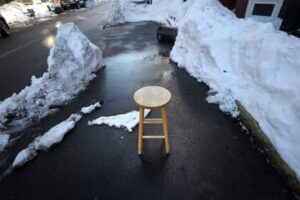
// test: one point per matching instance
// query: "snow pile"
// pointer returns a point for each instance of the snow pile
(72, 63)
(240, 59)
(127, 121)
(41, 10)
(94, 3)
(44, 142)
(25, 156)
(53, 136)
(56, 133)
(164, 11)
(15, 13)
(3, 141)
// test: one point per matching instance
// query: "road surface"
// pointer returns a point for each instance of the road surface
(212, 157)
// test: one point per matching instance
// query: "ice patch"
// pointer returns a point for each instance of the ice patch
(56, 133)
(91, 108)
(127, 121)
(24, 156)
(226, 102)
(3, 141)
(72, 63)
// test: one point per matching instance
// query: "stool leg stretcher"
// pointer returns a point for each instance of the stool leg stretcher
(162, 121)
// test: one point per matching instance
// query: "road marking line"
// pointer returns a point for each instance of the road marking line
(20, 47)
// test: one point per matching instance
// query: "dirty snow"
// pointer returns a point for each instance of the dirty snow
(52, 136)
(15, 13)
(3, 141)
(127, 121)
(239, 59)
(91, 108)
(72, 63)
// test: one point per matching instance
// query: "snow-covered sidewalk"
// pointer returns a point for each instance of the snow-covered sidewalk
(239, 59)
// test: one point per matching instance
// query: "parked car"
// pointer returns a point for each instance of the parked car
(68, 4)
(4, 28)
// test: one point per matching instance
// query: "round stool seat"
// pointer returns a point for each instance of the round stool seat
(152, 97)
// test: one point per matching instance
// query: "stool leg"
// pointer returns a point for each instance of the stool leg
(141, 130)
(165, 126)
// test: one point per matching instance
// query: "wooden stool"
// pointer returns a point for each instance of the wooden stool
(153, 97)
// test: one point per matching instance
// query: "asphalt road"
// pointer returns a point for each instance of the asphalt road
(211, 156)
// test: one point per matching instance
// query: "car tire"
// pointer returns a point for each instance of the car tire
(4, 29)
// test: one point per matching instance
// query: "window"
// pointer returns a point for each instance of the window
(263, 9)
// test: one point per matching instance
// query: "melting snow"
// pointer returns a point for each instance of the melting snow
(127, 121)
(91, 108)
(3, 141)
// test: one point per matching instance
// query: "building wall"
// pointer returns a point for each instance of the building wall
(4, 1)
(240, 8)
(230, 4)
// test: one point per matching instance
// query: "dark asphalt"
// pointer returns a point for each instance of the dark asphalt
(211, 156)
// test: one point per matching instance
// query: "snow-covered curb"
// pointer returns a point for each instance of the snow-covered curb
(126, 121)
(238, 59)
(53, 136)
(72, 63)
(15, 12)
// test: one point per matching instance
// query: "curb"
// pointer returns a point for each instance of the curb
(280, 165)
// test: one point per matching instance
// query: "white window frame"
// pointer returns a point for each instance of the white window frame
(277, 6)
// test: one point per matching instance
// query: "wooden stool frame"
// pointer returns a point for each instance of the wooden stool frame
(154, 98)
(163, 121)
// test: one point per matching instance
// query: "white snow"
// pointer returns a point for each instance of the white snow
(56, 133)
(15, 13)
(3, 141)
(52, 136)
(94, 3)
(239, 59)
(72, 63)
(91, 108)
(127, 121)
(24, 156)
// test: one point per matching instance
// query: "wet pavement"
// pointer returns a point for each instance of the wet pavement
(211, 156)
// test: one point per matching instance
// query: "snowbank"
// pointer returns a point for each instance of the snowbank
(126, 121)
(94, 3)
(15, 13)
(72, 63)
(51, 137)
(239, 60)
(164, 11)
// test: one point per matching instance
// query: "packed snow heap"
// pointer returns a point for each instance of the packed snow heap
(239, 59)
(72, 63)
(16, 13)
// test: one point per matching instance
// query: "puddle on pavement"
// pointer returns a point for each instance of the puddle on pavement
(147, 57)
